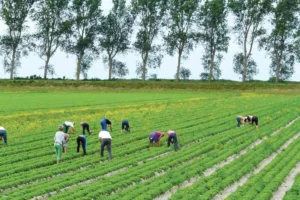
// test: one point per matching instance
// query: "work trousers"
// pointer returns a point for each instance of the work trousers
(81, 140)
(3, 134)
(173, 139)
(106, 142)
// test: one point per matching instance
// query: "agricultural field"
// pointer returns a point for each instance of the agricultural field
(216, 160)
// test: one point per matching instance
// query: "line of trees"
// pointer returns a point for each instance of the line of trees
(175, 27)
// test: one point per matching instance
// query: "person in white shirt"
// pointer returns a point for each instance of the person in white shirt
(105, 140)
(59, 139)
(3, 135)
(66, 125)
(252, 119)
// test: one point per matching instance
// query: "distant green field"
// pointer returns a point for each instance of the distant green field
(205, 123)
(21, 101)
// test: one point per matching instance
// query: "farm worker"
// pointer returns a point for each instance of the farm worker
(240, 120)
(3, 135)
(81, 139)
(85, 126)
(252, 119)
(64, 144)
(155, 137)
(105, 140)
(104, 122)
(172, 138)
(58, 142)
(68, 125)
(125, 125)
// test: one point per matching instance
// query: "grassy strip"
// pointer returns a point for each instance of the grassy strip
(130, 85)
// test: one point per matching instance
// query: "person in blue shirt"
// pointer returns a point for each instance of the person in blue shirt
(104, 122)
(3, 135)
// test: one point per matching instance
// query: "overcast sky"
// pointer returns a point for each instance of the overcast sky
(65, 65)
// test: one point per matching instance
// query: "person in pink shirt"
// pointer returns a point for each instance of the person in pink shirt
(155, 137)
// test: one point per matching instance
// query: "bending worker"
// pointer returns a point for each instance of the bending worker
(240, 120)
(3, 135)
(125, 126)
(104, 122)
(155, 137)
(252, 119)
(58, 142)
(81, 139)
(67, 126)
(172, 138)
(85, 126)
(105, 140)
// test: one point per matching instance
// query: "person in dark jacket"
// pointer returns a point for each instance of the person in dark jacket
(81, 139)
(252, 120)
(125, 126)
(85, 127)
(172, 138)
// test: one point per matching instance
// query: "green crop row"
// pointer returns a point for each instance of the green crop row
(177, 176)
(186, 125)
(207, 146)
(263, 184)
(207, 188)
(294, 192)
(6, 183)
(149, 169)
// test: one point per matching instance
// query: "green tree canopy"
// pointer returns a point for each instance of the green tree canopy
(212, 22)
(115, 35)
(150, 15)
(86, 18)
(14, 43)
(181, 36)
(281, 44)
(249, 17)
(53, 26)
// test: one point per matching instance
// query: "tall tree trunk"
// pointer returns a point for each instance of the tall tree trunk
(79, 60)
(245, 61)
(110, 66)
(145, 60)
(212, 66)
(46, 66)
(278, 66)
(178, 64)
(277, 71)
(12, 65)
(278, 63)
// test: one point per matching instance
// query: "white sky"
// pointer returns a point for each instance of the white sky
(65, 65)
